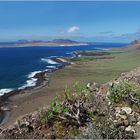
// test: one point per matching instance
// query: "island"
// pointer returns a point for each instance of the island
(55, 42)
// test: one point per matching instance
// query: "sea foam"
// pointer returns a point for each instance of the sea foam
(32, 74)
(5, 90)
(31, 82)
(49, 61)
(51, 67)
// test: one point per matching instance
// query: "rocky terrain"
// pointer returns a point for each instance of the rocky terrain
(108, 111)
(135, 44)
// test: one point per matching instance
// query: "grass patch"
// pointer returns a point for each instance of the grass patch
(89, 69)
(84, 58)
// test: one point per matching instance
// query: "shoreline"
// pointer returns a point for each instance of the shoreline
(42, 81)
(43, 45)
(13, 100)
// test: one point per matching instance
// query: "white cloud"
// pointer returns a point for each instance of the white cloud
(73, 29)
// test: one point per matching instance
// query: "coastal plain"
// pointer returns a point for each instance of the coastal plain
(84, 69)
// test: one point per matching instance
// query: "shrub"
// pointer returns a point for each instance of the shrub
(78, 88)
(124, 91)
(43, 117)
(70, 109)
(51, 114)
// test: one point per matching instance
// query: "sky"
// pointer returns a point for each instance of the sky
(96, 21)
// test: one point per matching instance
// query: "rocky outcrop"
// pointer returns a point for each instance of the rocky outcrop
(135, 44)
(133, 75)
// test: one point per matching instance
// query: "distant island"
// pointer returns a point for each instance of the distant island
(55, 42)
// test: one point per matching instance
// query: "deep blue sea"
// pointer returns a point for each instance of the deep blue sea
(18, 65)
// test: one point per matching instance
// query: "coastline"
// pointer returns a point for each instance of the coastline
(42, 81)
(7, 100)
(42, 45)
(34, 98)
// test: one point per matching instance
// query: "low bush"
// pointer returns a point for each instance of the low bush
(125, 91)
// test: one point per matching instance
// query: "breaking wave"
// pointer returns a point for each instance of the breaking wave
(31, 82)
(51, 67)
(5, 90)
(49, 61)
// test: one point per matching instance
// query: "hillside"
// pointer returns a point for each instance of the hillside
(135, 44)
(95, 111)
(108, 111)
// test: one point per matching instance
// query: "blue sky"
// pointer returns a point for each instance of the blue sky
(82, 21)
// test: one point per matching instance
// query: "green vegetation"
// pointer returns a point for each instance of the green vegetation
(84, 58)
(89, 56)
(69, 111)
(82, 110)
(125, 91)
(43, 117)
(61, 108)
(50, 115)
(88, 69)
(78, 89)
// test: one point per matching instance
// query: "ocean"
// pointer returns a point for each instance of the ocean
(19, 65)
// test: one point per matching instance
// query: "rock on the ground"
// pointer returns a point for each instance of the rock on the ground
(129, 128)
(128, 110)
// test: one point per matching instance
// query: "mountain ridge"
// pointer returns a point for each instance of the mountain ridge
(55, 42)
